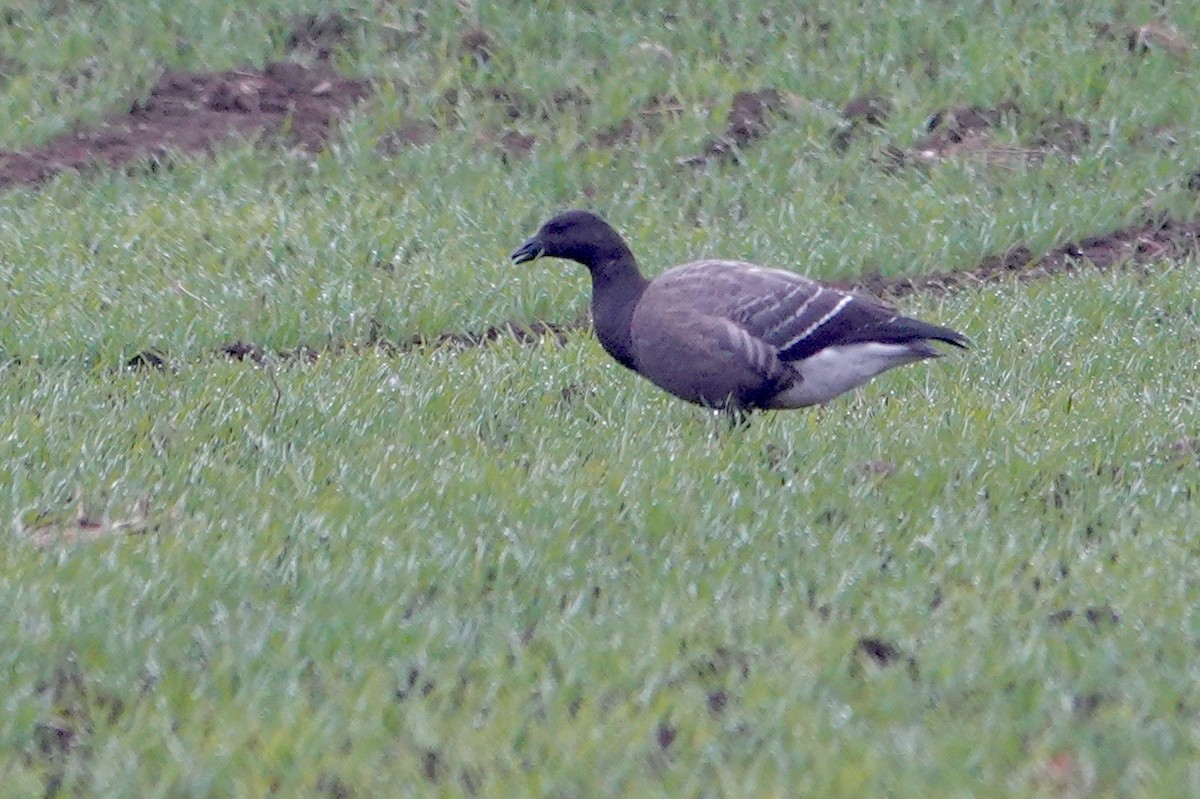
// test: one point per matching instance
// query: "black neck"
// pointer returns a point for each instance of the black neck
(617, 286)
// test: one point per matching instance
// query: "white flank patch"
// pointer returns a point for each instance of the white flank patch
(836, 370)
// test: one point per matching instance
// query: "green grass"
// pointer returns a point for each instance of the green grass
(567, 574)
(520, 570)
(288, 250)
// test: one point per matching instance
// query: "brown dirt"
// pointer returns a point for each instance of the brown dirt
(665, 735)
(194, 112)
(882, 652)
(751, 117)
(956, 132)
(717, 701)
(1061, 616)
(1059, 132)
(412, 134)
(1101, 614)
(967, 132)
(1140, 243)
(241, 350)
(1136, 244)
(475, 42)
(868, 110)
(147, 359)
(191, 113)
(510, 144)
(648, 122)
(957, 122)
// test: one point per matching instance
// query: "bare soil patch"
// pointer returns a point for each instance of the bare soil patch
(1136, 244)
(882, 654)
(648, 122)
(477, 43)
(880, 651)
(858, 115)
(751, 117)
(191, 113)
(968, 132)
(242, 350)
(412, 134)
(147, 360)
(195, 112)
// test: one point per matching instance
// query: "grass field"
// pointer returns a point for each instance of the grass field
(354, 565)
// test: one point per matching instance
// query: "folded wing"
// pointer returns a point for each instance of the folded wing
(799, 317)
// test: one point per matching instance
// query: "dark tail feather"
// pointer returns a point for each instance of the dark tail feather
(904, 329)
(921, 349)
(950, 337)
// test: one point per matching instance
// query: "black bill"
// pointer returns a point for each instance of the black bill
(528, 251)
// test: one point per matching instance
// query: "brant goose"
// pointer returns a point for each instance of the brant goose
(731, 335)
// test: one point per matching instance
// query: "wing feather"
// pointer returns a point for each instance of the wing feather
(794, 316)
